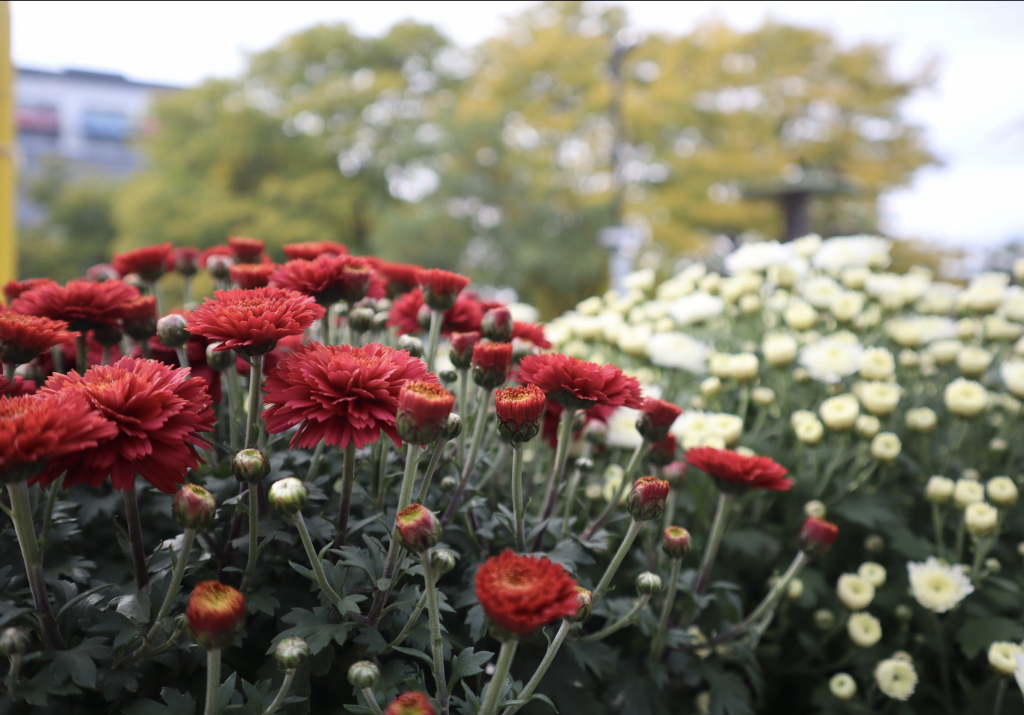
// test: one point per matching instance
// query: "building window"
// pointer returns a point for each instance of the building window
(39, 120)
(106, 126)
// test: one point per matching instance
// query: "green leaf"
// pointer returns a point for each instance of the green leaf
(729, 694)
(570, 555)
(315, 627)
(872, 511)
(977, 634)
(302, 571)
(78, 662)
(134, 606)
(262, 602)
(372, 639)
(596, 657)
(468, 663)
(416, 654)
(226, 692)
(177, 704)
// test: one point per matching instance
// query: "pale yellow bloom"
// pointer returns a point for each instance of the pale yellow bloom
(762, 396)
(842, 686)
(967, 492)
(981, 519)
(810, 431)
(878, 398)
(877, 364)
(800, 315)
(872, 573)
(938, 587)
(779, 349)
(1001, 491)
(839, 413)
(864, 629)
(815, 508)
(965, 398)
(973, 361)
(896, 678)
(710, 386)
(886, 447)
(1002, 656)
(854, 592)
(939, 490)
(921, 419)
(867, 426)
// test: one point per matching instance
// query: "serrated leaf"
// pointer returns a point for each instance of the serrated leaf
(599, 658)
(729, 694)
(78, 662)
(416, 654)
(570, 555)
(226, 692)
(315, 627)
(372, 639)
(977, 634)
(135, 607)
(468, 663)
(303, 571)
(262, 602)
(477, 622)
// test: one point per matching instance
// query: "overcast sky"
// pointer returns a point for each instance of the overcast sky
(974, 116)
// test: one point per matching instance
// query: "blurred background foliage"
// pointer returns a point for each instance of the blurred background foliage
(497, 160)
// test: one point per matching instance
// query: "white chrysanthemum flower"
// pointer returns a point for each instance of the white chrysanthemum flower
(839, 413)
(1002, 656)
(710, 283)
(981, 519)
(854, 592)
(639, 280)
(965, 398)
(558, 332)
(1013, 304)
(622, 430)
(973, 361)
(710, 386)
(939, 490)
(867, 426)
(886, 447)
(762, 396)
(759, 256)
(921, 419)
(806, 246)
(877, 364)
(872, 573)
(800, 315)
(678, 350)
(939, 587)
(915, 331)
(587, 327)
(732, 289)
(815, 508)
(1012, 372)
(820, 291)
(945, 351)
(983, 296)
(809, 432)
(852, 251)
(842, 686)
(1018, 674)
(633, 339)
(523, 312)
(696, 308)
(864, 629)
(878, 398)
(799, 416)
(967, 492)
(896, 678)
(720, 365)
(846, 306)
(780, 349)
(831, 359)
(743, 367)
(590, 306)
(996, 327)
(728, 427)
(1001, 491)
(939, 299)
(675, 288)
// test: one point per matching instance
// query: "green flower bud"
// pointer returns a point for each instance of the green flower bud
(453, 428)
(364, 674)
(380, 320)
(448, 484)
(584, 604)
(361, 319)
(441, 561)
(250, 466)
(584, 465)
(675, 542)
(289, 496)
(14, 640)
(172, 329)
(219, 360)
(596, 432)
(411, 344)
(904, 613)
(648, 584)
(291, 652)
(824, 619)
(448, 376)
(874, 544)
(193, 507)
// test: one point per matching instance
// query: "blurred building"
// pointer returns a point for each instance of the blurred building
(85, 120)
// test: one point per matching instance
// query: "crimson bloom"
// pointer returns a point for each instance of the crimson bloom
(139, 317)
(491, 363)
(401, 277)
(440, 288)
(83, 305)
(530, 332)
(423, 409)
(246, 250)
(149, 262)
(410, 703)
(326, 279)
(523, 593)
(655, 419)
(736, 472)
(463, 317)
(251, 275)
(37, 428)
(817, 535)
(12, 289)
(252, 321)
(418, 528)
(646, 500)
(184, 260)
(23, 337)
(340, 394)
(519, 410)
(215, 612)
(310, 250)
(578, 384)
(159, 413)
(16, 387)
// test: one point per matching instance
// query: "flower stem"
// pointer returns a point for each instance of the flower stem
(81, 353)
(348, 478)
(233, 404)
(561, 456)
(9, 368)
(432, 338)
(131, 513)
(412, 459)
(944, 663)
(382, 469)
(51, 500)
(255, 378)
(57, 357)
(517, 495)
(371, 701)
(542, 669)
(187, 290)
(436, 643)
(474, 449)
(314, 560)
(627, 482)
(212, 680)
(182, 357)
(658, 643)
(463, 406)
(314, 463)
(435, 458)
(286, 684)
(173, 587)
(21, 514)
(619, 624)
(620, 555)
(325, 327)
(254, 533)
(497, 684)
(714, 541)
(410, 625)
(997, 706)
(940, 546)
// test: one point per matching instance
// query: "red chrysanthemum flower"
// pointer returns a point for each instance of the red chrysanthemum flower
(326, 279)
(37, 428)
(531, 332)
(159, 413)
(252, 321)
(184, 259)
(676, 542)
(463, 317)
(461, 348)
(339, 393)
(149, 262)
(251, 275)
(83, 305)
(496, 325)
(139, 318)
(646, 500)
(737, 472)
(215, 611)
(410, 703)
(23, 337)
(579, 384)
(207, 254)
(440, 288)
(519, 410)
(16, 387)
(401, 277)
(523, 593)
(246, 250)
(817, 535)
(311, 250)
(655, 419)
(491, 363)
(12, 289)
(423, 409)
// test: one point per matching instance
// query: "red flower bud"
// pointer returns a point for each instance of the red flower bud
(193, 507)
(662, 453)
(139, 318)
(250, 466)
(647, 499)
(440, 288)
(584, 605)
(251, 275)
(423, 409)
(519, 411)
(496, 325)
(246, 250)
(461, 352)
(215, 612)
(418, 528)
(411, 703)
(184, 260)
(655, 419)
(491, 363)
(675, 542)
(817, 535)
(149, 262)
(101, 272)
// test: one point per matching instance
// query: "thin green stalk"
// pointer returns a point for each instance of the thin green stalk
(255, 378)
(761, 615)
(561, 456)
(144, 348)
(159, 298)
(658, 643)
(314, 560)
(619, 624)
(57, 357)
(436, 643)
(997, 706)
(187, 290)
(670, 509)
(517, 496)
(944, 663)
(627, 541)
(570, 500)
(278, 701)
(315, 462)
(21, 515)
(981, 549)
(173, 587)
(131, 513)
(212, 680)
(940, 545)
(382, 468)
(412, 459)
(81, 353)
(9, 368)
(51, 500)
(348, 479)
(960, 532)
(474, 449)
(725, 501)
(410, 625)
(436, 317)
(234, 403)
(435, 458)
(254, 533)
(497, 684)
(463, 407)
(627, 482)
(542, 668)
(371, 701)
(325, 327)
(182, 356)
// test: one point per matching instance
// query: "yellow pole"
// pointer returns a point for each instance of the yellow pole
(8, 239)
